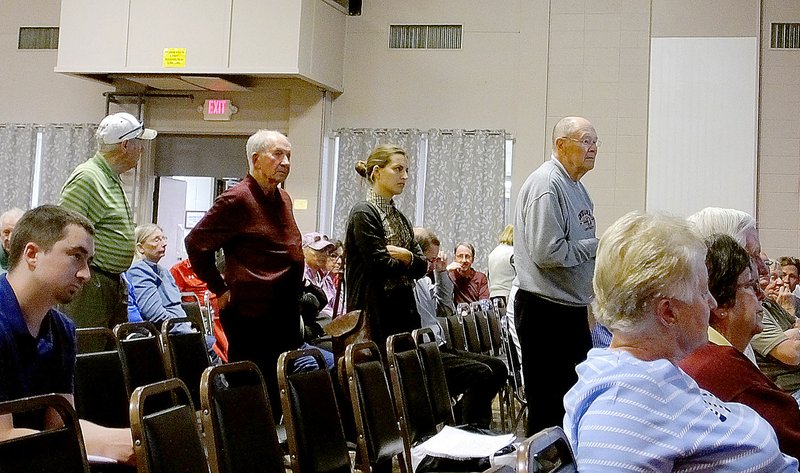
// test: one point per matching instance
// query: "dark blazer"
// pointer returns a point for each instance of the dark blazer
(375, 281)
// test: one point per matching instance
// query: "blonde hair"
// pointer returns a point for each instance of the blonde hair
(507, 235)
(640, 258)
(379, 157)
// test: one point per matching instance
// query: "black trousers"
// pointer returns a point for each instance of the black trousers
(549, 373)
(479, 378)
(262, 340)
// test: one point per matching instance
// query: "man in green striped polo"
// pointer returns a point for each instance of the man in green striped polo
(94, 189)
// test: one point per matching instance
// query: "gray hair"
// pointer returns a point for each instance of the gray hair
(731, 222)
(15, 213)
(641, 258)
(259, 141)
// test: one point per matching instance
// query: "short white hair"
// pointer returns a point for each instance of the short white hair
(731, 222)
(259, 141)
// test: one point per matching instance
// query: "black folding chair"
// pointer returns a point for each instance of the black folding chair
(165, 430)
(412, 402)
(313, 424)
(435, 379)
(185, 354)
(379, 438)
(100, 394)
(140, 353)
(56, 450)
(237, 420)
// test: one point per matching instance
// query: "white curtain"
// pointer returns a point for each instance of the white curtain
(60, 148)
(464, 189)
(355, 145)
(63, 148)
(17, 156)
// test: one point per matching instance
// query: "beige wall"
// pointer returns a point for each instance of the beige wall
(496, 81)
(598, 68)
(779, 137)
(524, 64)
(31, 91)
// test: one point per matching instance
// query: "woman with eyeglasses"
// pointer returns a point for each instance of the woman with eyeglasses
(720, 366)
(382, 260)
(155, 292)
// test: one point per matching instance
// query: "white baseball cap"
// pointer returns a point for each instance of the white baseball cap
(122, 126)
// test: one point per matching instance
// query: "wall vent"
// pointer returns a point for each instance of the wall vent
(425, 36)
(785, 36)
(37, 37)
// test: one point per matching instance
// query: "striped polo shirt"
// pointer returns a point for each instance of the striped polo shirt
(95, 191)
(625, 414)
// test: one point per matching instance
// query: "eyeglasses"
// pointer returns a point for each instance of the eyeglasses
(586, 142)
(160, 239)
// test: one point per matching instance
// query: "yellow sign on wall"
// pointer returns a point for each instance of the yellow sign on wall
(174, 57)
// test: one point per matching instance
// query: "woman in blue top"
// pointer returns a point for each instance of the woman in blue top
(156, 294)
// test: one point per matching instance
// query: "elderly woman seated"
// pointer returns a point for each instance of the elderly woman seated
(156, 294)
(632, 408)
(721, 366)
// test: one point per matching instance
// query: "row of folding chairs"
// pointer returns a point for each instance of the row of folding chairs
(483, 327)
(110, 365)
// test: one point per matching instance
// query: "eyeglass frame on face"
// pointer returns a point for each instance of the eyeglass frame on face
(585, 142)
(160, 239)
(752, 284)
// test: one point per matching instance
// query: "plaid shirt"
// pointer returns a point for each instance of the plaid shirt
(397, 232)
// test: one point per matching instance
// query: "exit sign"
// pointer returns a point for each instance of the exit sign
(218, 109)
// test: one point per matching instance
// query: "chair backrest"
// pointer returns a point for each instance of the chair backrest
(140, 353)
(442, 321)
(500, 303)
(166, 439)
(435, 379)
(100, 394)
(456, 329)
(412, 404)
(512, 359)
(471, 332)
(237, 420)
(547, 451)
(185, 354)
(197, 312)
(49, 451)
(493, 318)
(378, 434)
(482, 321)
(313, 424)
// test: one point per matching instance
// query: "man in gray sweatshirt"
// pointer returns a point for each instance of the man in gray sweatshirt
(554, 251)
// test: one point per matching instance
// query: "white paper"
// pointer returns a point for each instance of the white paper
(98, 460)
(459, 444)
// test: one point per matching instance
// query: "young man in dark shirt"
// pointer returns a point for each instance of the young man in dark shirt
(49, 259)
